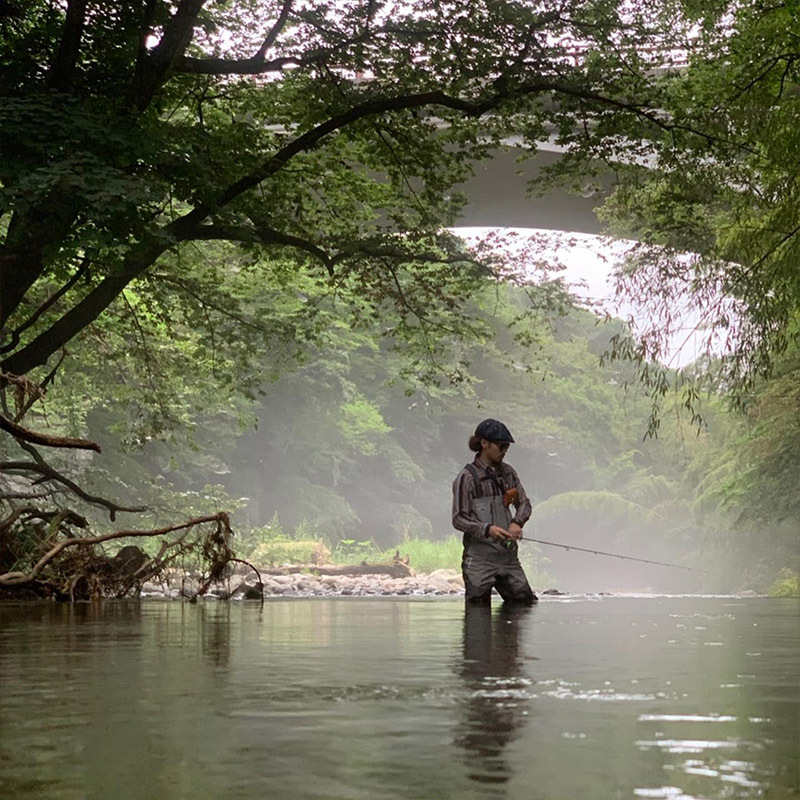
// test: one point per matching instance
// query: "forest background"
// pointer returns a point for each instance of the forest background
(227, 263)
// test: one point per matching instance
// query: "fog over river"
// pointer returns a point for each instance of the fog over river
(592, 698)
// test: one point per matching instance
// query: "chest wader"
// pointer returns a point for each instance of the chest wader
(491, 563)
(489, 509)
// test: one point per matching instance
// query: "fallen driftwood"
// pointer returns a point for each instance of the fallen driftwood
(395, 569)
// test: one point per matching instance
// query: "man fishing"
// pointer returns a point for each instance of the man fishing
(482, 495)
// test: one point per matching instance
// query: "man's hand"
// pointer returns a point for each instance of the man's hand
(496, 532)
(514, 531)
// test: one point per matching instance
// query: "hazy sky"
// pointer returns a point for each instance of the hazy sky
(589, 262)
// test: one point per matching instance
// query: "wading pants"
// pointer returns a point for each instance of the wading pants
(482, 573)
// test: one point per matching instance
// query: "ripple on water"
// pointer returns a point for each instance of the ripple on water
(695, 745)
(664, 793)
(686, 718)
(607, 695)
(355, 693)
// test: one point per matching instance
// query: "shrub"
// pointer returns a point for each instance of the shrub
(786, 585)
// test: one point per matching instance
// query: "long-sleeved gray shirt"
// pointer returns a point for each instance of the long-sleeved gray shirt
(493, 482)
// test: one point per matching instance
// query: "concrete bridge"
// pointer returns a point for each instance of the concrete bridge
(497, 196)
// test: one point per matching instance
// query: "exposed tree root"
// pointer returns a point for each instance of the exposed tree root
(76, 567)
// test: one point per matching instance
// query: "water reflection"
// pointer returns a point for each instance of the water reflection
(215, 633)
(497, 692)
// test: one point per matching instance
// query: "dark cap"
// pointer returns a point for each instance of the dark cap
(494, 431)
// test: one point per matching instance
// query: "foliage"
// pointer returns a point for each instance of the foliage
(425, 555)
(352, 551)
(786, 585)
(715, 208)
(275, 553)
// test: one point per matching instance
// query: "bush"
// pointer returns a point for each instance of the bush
(426, 556)
(289, 552)
(351, 551)
(786, 585)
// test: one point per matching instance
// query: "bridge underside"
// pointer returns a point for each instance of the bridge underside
(497, 197)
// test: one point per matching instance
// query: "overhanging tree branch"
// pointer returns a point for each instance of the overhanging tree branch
(45, 440)
(275, 30)
(187, 227)
(40, 467)
(261, 234)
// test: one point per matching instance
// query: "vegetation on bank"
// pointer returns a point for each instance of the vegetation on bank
(786, 585)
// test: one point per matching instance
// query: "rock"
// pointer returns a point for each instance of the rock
(437, 583)
(553, 592)
(246, 591)
(442, 573)
(129, 559)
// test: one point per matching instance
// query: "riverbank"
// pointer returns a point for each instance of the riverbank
(441, 582)
(308, 584)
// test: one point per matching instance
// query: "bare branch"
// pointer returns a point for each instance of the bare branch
(261, 234)
(240, 66)
(16, 578)
(43, 439)
(156, 66)
(276, 29)
(258, 65)
(41, 467)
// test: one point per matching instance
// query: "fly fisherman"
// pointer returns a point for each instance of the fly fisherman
(482, 495)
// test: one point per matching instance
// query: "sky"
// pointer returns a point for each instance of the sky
(589, 263)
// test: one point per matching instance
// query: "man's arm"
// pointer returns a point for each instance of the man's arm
(464, 518)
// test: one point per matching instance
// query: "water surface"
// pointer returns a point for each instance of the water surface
(579, 699)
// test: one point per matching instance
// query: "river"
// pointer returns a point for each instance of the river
(594, 698)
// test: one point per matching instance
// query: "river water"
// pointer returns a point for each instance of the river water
(575, 699)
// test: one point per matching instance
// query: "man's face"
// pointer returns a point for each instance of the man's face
(493, 452)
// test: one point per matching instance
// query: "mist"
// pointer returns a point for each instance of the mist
(343, 451)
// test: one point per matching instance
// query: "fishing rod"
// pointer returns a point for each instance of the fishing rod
(603, 553)
(510, 496)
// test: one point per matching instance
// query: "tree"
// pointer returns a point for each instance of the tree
(132, 132)
(716, 208)
(322, 141)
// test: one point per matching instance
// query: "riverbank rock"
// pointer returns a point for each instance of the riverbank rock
(242, 584)
(308, 584)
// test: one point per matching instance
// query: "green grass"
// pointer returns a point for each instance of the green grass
(426, 556)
